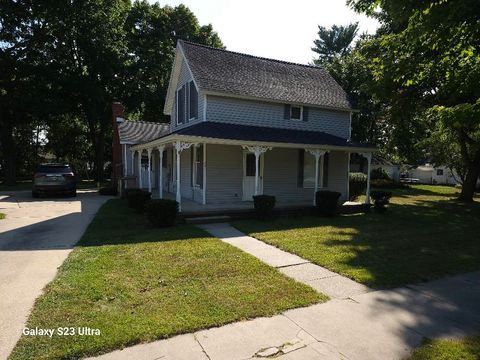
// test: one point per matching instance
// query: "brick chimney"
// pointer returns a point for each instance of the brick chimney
(117, 159)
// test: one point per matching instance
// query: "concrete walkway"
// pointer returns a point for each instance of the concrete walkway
(35, 238)
(376, 325)
(319, 278)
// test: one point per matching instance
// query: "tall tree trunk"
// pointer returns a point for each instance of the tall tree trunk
(9, 153)
(471, 178)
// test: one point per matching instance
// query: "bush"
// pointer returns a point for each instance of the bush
(380, 199)
(264, 205)
(357, 184)
(162, 212)
(326, 202)
(137, 199)
(387, 184)
(109, 190)
(130, 190)
(379, 174)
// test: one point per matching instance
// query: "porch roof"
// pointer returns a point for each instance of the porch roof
(209, 130)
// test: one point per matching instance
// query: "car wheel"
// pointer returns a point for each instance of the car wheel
(35, 194)
(73, 193)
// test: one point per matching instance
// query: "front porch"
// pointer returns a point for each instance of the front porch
(214, 175)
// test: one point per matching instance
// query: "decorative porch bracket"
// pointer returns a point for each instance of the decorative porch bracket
(368, 156)
(179, 147)
(257, 150)
(160, 171)
(318, 153)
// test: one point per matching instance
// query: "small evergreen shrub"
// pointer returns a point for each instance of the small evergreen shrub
(109, 190)
(162, 212)
(357, 184)
(137, 199)
(129, 190)
(379, 174)
(326, 202)
(380, 199)
(264, 205)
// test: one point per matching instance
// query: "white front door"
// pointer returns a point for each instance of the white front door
(249, 176)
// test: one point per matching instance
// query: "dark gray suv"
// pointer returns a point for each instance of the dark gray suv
(54, 178)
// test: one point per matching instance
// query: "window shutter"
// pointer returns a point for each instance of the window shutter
(286, 112)
(305, 113)
(301, 155)
(325, 169)
(193, 101)
(192, 160)
(181, 105)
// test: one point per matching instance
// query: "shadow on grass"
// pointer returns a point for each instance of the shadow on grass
(410, 243)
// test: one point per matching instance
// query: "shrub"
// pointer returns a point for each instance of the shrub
(380, 199)
(264, 205)
(326, 202)
(379, 173)
(130, 190)
(109, 190)
(162, 212)
(137, 199)
(357, 184)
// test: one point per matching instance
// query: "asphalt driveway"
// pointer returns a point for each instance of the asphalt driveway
(35, 238)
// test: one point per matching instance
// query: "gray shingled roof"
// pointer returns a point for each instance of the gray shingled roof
(219, 130)
(234, 73)
(134, 132)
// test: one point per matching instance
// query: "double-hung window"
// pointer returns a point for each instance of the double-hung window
(306, 170)
(197, 166)
(187, 103)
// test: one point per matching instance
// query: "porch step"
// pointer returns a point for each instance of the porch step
(207, 219)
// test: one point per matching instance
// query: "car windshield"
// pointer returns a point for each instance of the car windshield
(53, 169)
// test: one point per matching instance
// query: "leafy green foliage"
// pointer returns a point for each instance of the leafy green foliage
(327, 202)
(162, 212)
(427, 55)
(264, 205)
(380, 200)
(138, 198)
(357, 185)
(448, 349)
(334, 42)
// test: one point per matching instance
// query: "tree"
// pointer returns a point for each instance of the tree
(334, 42)
(430, 52)
(152, 34)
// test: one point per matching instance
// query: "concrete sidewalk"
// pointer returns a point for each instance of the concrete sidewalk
(376, 325)
(319, 278)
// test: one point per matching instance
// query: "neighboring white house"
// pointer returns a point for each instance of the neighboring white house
(429, 174)
(243, 125)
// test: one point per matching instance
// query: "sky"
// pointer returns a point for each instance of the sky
(281, 29)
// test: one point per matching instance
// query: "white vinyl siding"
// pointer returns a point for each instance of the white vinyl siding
(260, 113)
(225, 175)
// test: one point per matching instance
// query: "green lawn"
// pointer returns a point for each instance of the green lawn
(426, 234)
(136, 284)
(463, 349)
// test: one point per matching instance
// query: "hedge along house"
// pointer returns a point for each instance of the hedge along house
(240, 126)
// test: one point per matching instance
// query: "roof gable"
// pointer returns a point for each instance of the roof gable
(230, 73)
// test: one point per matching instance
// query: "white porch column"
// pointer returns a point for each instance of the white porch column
(179, 147)
(132, 169)
(149, 169)
(204, 194)
(368, 156)
(257, 150)
(160, 171)
(140, 168)
(317, 153)
(124, 160)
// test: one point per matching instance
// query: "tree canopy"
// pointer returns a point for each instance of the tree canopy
(64, 62)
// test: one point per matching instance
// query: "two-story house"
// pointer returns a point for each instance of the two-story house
(242, 125)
